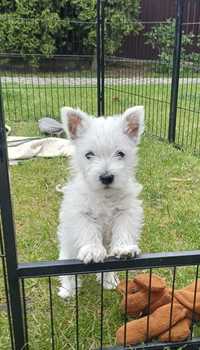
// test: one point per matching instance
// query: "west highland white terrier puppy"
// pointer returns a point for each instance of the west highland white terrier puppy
(101, 214)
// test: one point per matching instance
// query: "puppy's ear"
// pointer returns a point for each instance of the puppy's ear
(75, 122)
(133, 122)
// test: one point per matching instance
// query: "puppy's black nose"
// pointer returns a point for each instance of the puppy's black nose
(106, 179)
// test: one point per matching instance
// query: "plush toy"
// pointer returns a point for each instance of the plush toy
(160, 314)
(138, 294)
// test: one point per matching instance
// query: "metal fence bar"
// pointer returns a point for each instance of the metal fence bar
(102, 311)
(194, 301)
(51, 315)
(172, 302)
(25, 313)
(189, 345)
(77, 311)
(125, 308)
(2, 256)
(149, 301)
(8, 230)
(98, 58)
(176, 71)
(71, 267)
(102, 57)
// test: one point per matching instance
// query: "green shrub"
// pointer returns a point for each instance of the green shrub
(161, 38)
(31, 29)
(48, 27)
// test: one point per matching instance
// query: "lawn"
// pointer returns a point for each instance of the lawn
(171, 195)
(29, 102)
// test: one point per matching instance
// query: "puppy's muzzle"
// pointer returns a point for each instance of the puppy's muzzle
(106, 179)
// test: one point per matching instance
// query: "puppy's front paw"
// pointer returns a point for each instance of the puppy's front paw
(91, 252)
(125, 251)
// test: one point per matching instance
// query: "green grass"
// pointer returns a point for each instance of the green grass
(30, 103)
(171, 196)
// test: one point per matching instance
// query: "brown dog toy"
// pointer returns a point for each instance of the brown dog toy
(138, 294)
(159, 322)
(165, 321)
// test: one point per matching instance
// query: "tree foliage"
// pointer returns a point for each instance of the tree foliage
(162, 39)
(48, 27)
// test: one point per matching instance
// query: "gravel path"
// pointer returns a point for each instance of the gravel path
(39, 81)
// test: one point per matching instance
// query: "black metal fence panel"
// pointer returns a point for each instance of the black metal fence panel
(140, 72)
(36, 86)
(100, 84)
(144, 79)
(188, 117)
(148, 70)
(7, 332)
(9, 262)
(67, 329)
(30, 95)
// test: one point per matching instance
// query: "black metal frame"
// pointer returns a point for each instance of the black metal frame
(100, 57)
(9, 240)
(145, 261)
(16, 273)
(176, 71)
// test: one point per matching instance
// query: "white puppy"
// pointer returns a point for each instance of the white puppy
(101, 214)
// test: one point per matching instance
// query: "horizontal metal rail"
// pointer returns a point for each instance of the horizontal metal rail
(145, 261)
(193, 344)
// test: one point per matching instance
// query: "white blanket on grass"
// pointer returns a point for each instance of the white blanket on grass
(20, 148)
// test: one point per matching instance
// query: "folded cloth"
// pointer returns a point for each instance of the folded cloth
(20, 148)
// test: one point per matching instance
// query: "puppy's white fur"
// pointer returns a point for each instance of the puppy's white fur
(96, 219)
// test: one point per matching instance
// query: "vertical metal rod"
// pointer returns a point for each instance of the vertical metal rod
(194, 300)
(9, 242)
(51, 316)
(13, 95)
(26, 91)
(98, 54)
(149, 302)
(77, 312)
(25, 313)
(176, 71)
(102, 57)
(102, 310)
(172, 302)
(125, 316)
(6, 289)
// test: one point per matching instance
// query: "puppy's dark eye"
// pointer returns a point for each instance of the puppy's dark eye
(120, 154)
(89, 155)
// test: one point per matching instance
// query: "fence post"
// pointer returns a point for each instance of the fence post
(100, 57)
(9, 242)
(98, 53)
(175, 71)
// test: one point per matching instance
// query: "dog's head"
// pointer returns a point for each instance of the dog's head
(105, 148)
